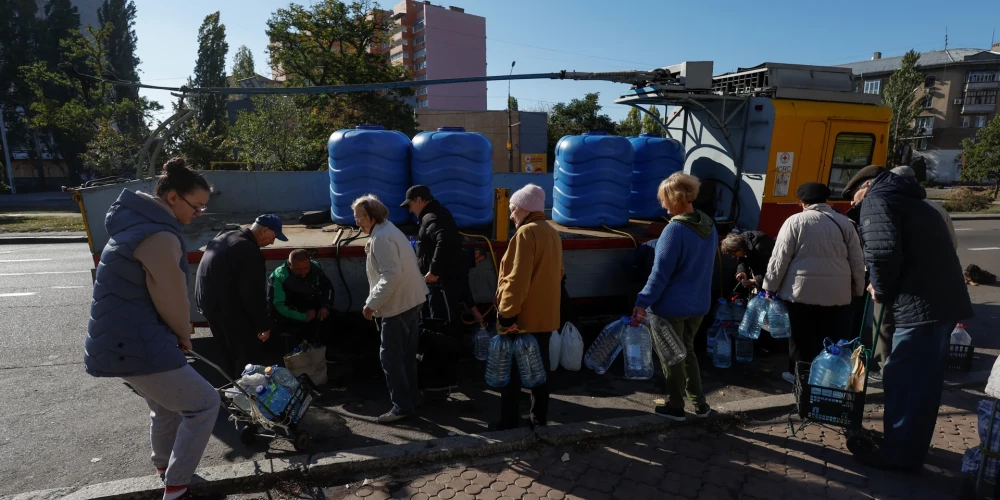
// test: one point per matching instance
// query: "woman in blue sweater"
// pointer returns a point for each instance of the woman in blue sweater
(679, 287)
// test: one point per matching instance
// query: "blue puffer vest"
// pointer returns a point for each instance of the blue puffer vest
(126, 336)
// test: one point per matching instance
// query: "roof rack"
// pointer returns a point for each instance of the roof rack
(793, 81)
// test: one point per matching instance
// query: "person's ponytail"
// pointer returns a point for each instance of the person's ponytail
(177, 176)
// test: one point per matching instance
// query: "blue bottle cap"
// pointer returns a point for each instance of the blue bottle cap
(260, 389)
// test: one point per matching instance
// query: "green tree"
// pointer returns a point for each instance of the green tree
(123, 63)
(577, 117)
(243, 66)
(18, 31)
(327, 44)
(271, 136)
(981, 156)
(631, 126)
(900, 95)
(61, 18)
(210, 71)
(649, 125)
(512, 103)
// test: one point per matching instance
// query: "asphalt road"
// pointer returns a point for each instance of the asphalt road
(60, 427)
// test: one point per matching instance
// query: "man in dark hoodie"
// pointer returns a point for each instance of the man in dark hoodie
(752, 250)
(913, 268)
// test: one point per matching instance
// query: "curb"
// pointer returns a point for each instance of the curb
(968, 217)
(35, 240)
(263, 474)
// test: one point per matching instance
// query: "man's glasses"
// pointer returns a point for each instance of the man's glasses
(200, 209)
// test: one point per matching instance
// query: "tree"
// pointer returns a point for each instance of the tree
(512, 103)
(631, 126)
(271, 136)
(123, 63)
(327, 44)
(649, 125)
(61, 18)
(577, 117)
(981, 156)
(899, 95)
(18, 31)
(210, 71)
(243, 66)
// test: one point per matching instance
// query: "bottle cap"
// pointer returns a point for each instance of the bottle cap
(260, 389)
(269, 371)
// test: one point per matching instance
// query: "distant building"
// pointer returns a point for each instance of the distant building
(959, 96)
(529, 134)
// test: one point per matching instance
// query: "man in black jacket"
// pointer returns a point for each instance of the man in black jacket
(914, 268)
(441, 257)
(231, 291)
(752, 250)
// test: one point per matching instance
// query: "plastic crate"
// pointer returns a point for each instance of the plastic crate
(960, 357)
(825, 405)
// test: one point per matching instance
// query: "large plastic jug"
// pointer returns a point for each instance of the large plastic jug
(777, 316)
(959, 336)
(756, 311)
(710, 338)
(744, 349)
(529, 361)
(668, 345)
(723, 354)
(723, 311)
(272, 400)
(831, 368)
(606, 346)
(481, 343)
(638, 353)
(281, 376)
(498, 361)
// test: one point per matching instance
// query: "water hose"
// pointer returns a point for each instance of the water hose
(623, 233)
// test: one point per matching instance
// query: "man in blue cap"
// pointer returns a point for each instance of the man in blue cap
(231, 291)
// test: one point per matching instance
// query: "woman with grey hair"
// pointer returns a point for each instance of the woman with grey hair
(397, 294)
(752, 250)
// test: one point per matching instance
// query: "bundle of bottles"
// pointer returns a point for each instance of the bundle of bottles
(499, 351)
(637, 339)
(760, 313)
(273, 387)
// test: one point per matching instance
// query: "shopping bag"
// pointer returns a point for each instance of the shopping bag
(572, 348)
(555, 350)
(856, 382)
(310, 361)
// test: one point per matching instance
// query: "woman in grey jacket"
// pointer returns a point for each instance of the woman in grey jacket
(816, 268)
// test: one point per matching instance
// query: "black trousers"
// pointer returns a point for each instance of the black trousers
(812, 324)
(241, 346)
(510, 408)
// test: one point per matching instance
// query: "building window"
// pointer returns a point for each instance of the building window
(420, 65)
(873, 86)
(422, 104)
(418, 26)
(973, 97)
(929, 102)
(421, 91)
(419, 40)
(980, 121)
(965, 121)
(397, 56)
(921, 144)
(420, 53)
(420, 78)
(385, 45)
(982, 77)
(851, 153)
(925, 124)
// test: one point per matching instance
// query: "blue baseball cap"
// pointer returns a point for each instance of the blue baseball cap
(273, 223)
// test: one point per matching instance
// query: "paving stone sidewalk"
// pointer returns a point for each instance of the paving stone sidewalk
(758, 459)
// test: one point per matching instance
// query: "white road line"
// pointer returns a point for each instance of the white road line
(963, 229)
(7, 251)
(984, 248)
(19, 294)
(26, 260)
(67, 287)
(45, 272)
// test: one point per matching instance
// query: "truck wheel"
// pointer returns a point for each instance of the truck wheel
(300, 441)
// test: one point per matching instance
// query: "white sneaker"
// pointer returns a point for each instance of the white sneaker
(788, 377)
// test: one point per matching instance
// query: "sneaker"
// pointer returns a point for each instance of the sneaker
(675, 414)
(390, 417)
(704, 412)
(788, 377)
(875, 376)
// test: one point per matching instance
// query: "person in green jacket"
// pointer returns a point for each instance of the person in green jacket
(300, 297)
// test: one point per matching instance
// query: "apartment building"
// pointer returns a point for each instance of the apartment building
(436, 42)
(959, 96)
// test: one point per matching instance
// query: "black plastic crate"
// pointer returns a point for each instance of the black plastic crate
(960, 357)
(825, 405)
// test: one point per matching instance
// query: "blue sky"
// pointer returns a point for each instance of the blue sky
(597, 35)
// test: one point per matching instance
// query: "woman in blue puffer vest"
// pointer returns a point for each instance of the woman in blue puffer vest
(140, 325)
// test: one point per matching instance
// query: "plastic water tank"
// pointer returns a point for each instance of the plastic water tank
(655, 159)
(458, 168)
(592, 174)
(368, 159)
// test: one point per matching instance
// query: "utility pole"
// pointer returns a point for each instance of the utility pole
(510, 127)
(6, 152)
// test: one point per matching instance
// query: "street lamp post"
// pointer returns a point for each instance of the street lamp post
(510, 129)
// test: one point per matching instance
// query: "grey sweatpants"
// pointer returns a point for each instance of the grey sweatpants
(182, 411)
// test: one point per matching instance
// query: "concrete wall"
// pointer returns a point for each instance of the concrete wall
(456, 48)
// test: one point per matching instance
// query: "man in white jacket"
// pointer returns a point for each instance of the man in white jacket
(397, 294)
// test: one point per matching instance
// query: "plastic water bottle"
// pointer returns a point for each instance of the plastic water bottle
(738, 309)
(606, 346)
(481, 344)
(638, 353)
(744, 349)
(710, 337)
(251, 380)
(723, 355)
(281, 376)
(830, 369)
(722, 311)
(238, 398)
(668, 345)
(959, 336)
(751, 323)
(501, 352)
(272, 399)
(777, 316)
(251, 368)
(529, 361)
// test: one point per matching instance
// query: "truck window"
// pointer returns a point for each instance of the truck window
(851, 153)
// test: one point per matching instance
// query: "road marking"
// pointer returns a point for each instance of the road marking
(45, 272)
(963, 229)
(984, 248)
(19, 294)
(25, 260)
(67, 287)
(7, 251)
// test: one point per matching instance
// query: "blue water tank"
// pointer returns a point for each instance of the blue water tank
(592, 173)
(458, 168)
(655, 159)
(368, 159)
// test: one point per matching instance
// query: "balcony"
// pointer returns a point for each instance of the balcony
(921, 132)
(982, 85)
(978, 109)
